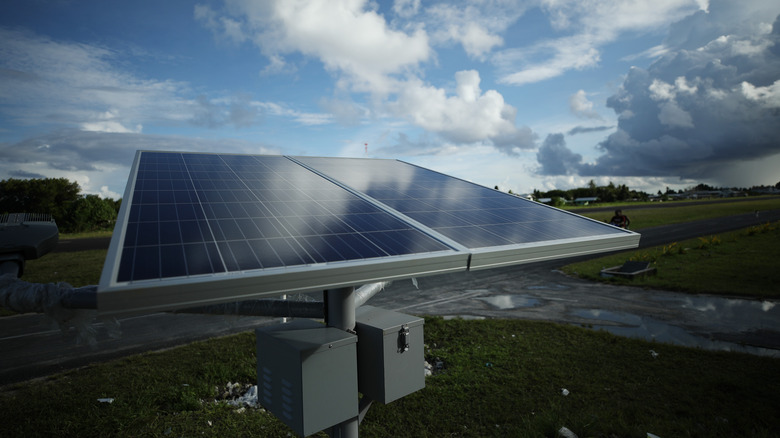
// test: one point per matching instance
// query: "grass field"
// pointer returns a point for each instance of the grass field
(741, 263)
(500, 378)
(78, 269)
(647, 216)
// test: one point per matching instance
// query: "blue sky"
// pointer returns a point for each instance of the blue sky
(525, 95)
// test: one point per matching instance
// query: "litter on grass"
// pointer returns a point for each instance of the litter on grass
(565, 432)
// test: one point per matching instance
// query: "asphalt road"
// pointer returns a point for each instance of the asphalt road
(33, 346)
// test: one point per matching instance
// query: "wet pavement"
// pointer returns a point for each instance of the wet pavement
(32, 346)
(541, 292)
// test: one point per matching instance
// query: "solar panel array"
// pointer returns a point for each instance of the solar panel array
(472, 215)
(204, 214)
(201, 228)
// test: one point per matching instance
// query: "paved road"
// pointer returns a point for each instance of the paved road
(32, 346)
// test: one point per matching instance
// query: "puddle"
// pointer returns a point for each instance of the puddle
(728, 314)
(650, 329)
(508, 302)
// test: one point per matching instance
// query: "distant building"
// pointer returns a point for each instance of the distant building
(586, 200)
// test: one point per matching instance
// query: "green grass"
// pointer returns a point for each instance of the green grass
(81, 268)
(500, 378)
(86, 234)
(688, 212)
(740, 263)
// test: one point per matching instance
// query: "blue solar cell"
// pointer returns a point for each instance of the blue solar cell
(269, 224)
(255, 208)
(471, 215)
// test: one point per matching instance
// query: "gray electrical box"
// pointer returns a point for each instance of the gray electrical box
(390, 353)
(307, 374)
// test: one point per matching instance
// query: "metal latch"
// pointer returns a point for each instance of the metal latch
(403, 339)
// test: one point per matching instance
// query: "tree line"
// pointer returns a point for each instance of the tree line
(73, 211)
(607, 193)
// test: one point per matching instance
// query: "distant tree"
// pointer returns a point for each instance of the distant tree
(557, 201)
(496, 188)
(61, 199)
(52, 196)
(90, 213)
(557, 194)
(703, 188)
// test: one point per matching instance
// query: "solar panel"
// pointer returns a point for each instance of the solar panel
(207, 228)
(496, 228)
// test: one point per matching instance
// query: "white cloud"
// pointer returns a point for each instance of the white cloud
(66, 84)
(726, 119)
(109, 122)
(660, 90)
(768, 96)
(586, 26)
(581, 106)
(347, 36)
(575, 53)
(369, 55)
(700, 111)
(469, 116)
(475, 27)
(107, 193)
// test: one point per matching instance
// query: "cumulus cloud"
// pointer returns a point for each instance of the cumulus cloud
(466, 117)
(700, 108)
(384, 61)
(768, 96)
(555, 158)
(586, 27)
(327, 31)
(581, 106)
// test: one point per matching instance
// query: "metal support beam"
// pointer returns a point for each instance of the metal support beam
(340, 305)
(367, 291)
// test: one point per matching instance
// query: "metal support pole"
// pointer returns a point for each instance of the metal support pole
(341, 308)
(340, 304)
